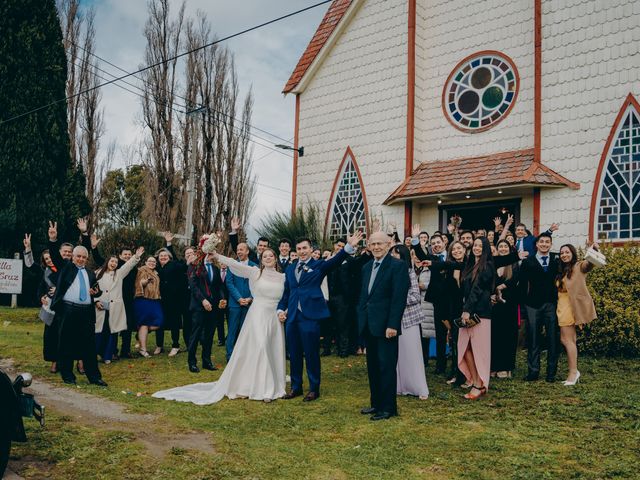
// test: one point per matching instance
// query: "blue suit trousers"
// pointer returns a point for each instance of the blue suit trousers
(303, 342)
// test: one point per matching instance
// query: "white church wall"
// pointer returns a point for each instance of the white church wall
(447, 32)
(591, 62)
(357, 98)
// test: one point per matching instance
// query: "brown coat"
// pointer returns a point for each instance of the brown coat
(584, 311)
(152, 289)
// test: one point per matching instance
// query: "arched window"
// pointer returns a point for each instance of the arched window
(348, 203)
(617, 209)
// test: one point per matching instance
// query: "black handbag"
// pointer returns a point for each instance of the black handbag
(474, 320)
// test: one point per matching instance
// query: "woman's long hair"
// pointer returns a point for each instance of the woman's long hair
(404, 254)
(473, 267)
(277, 266)
(566, 269)
(105, 267)
(507, 270)
(43, 264)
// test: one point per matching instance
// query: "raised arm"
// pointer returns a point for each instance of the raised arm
(130, 264)
(28, 253)
(237, 268)
(54, 245)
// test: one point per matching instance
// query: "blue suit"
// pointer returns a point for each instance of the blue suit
(306, 307)
(238, 288)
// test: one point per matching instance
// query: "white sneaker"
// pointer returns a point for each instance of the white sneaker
(174, 352)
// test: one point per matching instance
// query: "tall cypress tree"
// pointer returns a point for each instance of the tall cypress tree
(38, 181)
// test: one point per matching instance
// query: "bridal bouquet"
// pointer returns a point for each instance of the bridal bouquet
(209, 243)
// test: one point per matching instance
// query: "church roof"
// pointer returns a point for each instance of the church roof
(478, 173)
(330, 21)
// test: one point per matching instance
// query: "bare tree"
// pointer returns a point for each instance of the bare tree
(84, 115)
(163, 35)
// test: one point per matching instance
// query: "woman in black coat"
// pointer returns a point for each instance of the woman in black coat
(171, 274)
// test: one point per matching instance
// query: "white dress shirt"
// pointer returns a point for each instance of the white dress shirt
(73, 294)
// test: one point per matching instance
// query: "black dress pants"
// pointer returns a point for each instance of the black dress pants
(440, 311)
(544, 316)
(340, 317)
(203, 325)
(77, 341)
(382, 359)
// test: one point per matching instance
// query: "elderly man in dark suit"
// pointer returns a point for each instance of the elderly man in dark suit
(385, 284)
(75, 313)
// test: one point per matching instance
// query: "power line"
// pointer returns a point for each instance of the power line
(148, 67)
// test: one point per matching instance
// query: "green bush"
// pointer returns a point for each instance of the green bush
(616, 293)
(113, 239)
(307, 222)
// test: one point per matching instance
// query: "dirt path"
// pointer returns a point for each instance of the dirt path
(81, 407)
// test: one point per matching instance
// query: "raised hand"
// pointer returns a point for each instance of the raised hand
(497, 221)
(554, 227)
(53, 231)
(355, 239)
(95, 240)
(235, 224)
(415, 230)
(139, 252)
(509, 221)
(27, 242)
(168, 237)
(82, 225)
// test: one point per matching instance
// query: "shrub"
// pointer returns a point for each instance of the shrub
(616, 293)
(113, 239)
(307, 222)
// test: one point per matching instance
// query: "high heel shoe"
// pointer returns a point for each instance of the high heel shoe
(567, 383)
(471, 396)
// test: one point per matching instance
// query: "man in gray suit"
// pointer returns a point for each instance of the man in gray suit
(385, 283)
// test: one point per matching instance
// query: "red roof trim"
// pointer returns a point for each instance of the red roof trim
(328, 24)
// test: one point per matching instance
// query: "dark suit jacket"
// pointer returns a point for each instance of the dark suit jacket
(384, 306)
(233, 241)
(537, 286)
(307, 292)
(202, 288)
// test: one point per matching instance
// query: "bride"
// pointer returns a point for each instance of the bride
(257, 366)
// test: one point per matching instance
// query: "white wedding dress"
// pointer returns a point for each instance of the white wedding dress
(257, 366)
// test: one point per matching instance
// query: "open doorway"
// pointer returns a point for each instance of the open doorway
(480, 214)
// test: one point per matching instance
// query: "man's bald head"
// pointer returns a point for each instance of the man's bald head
(379, 244)
(80, 256)
(242, 251)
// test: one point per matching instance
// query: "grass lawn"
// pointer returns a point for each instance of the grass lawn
(519, 431)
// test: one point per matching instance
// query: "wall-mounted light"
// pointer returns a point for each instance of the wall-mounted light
(499, 192)
(439, 201)
(467, 197)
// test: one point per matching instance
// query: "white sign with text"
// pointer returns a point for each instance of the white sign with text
(10, 275)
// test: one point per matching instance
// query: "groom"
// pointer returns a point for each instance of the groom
(303, 307)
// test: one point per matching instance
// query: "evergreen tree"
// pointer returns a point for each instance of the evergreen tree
(37, 178)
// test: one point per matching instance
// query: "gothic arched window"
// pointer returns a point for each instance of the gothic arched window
(348, 204)
(618, 202)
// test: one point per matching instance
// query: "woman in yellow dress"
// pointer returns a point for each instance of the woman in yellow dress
(575, 305)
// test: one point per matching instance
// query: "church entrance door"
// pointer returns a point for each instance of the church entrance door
(480, 214)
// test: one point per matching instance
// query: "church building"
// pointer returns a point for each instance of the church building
(414, 111)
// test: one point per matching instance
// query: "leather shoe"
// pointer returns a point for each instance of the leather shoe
(70, 382)
(99, 382)
(194, 369)
(209, 366)
(381, 416)
(368, 411)
(531, 378)
(311, 396)
(292, 394)
(550, 379)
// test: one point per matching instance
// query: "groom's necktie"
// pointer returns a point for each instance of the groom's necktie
(299, 270)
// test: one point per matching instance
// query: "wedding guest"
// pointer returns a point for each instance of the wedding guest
(339, 284)
(540, 297)
(111, 317)
(207, 302)
(407, 241)
(46, 289)
(234, 241)
(481, 232)
(427, 326)
(411, 379)
(293, 256)
(316, 254)
(510, 239)
(423, 244)
(147, 304)
(467, 238)
(171, 277)
(491, 236)
(284, 248)
(474, 342)
(184, 295)
(326, 254)
(524, 240)
(74, 311)
(385, 285)
(240, 298)
(504, 319)
(222, 338)
(575, 305)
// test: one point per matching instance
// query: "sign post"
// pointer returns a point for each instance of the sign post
(11, 277)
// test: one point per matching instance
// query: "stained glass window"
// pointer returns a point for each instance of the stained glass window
(619, 201)
(348, 204)
(480, 91)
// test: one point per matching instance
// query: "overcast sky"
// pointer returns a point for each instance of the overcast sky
(264, 60)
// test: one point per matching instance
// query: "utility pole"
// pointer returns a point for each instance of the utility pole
(191, 181)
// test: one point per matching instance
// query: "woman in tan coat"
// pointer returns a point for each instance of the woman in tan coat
(575, 305)
(111, 316)
(146, 304)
